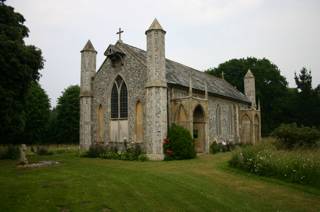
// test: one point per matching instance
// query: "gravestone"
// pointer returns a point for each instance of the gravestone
(23, 152)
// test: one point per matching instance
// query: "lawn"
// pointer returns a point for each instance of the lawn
(202, 184)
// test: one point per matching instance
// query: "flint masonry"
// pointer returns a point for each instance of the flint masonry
(136, 95)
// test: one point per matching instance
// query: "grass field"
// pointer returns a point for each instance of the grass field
(202, 184)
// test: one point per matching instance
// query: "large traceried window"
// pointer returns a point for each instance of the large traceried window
(119, 99)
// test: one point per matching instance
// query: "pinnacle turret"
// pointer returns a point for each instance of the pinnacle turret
(88, 47)
(249, 74)
(155, 26)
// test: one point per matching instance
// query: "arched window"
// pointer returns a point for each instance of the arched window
(119, 99)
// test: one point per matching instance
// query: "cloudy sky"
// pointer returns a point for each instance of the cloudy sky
(200, 33)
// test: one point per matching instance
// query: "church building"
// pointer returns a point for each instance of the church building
(136, 95)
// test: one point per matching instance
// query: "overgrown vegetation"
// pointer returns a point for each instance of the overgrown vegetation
(179, 144)
(131, 153)
(298, 166)
(9, 152)
(221, 147)
(292, 136)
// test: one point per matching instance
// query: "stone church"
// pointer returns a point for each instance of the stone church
(136, 95)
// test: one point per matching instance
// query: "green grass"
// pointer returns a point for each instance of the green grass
(203, 184)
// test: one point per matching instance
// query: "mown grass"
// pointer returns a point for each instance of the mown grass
(203, 184)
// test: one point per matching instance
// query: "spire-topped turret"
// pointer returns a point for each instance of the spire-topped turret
(155, 26)
(88, 70)
(250, 87)
(156, 91)
(249, 74)
(88, 47)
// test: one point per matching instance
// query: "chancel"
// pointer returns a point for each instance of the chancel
(135, 95)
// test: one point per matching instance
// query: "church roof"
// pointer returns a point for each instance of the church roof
(179, 74)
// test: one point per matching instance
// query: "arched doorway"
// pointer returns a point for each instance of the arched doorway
(199, 128)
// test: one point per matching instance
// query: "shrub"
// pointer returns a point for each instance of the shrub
(43, 150)
(9, 152)
(221, 147)
(290, 135)
(106, 152)
(179, 144)
(95, 151)
(143, 157)
(299, 166)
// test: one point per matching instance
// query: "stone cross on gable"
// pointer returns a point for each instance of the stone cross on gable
(119, 33)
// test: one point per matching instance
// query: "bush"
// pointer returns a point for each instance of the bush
(143, 157)
(299, 166)
(43, 150)
(106, 152)
(179, 144)
(221, 147)
(95, 151)
(9, 152)
(290, 135)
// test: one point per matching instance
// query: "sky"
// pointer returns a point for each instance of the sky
(200, 33)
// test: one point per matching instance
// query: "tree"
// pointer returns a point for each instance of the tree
(307, 109)
(271, 86)
(304, 81)
(37, 111)
(19, 66)
(68, 116)
(52, 130)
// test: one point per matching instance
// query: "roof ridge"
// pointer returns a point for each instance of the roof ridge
(202, 72)
(218, 86)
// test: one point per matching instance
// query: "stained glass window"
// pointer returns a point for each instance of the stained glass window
(119, 99)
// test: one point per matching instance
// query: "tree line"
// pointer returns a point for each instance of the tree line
(279, 103)
(25, 114)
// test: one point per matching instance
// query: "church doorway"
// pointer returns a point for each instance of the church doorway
(199, 129)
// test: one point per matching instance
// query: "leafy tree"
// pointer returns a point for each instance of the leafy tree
(19, 66)
(37, 111)
(271, 86)
(68, 116)
(52, 130)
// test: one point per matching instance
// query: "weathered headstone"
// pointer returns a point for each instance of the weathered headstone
(23, 152)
